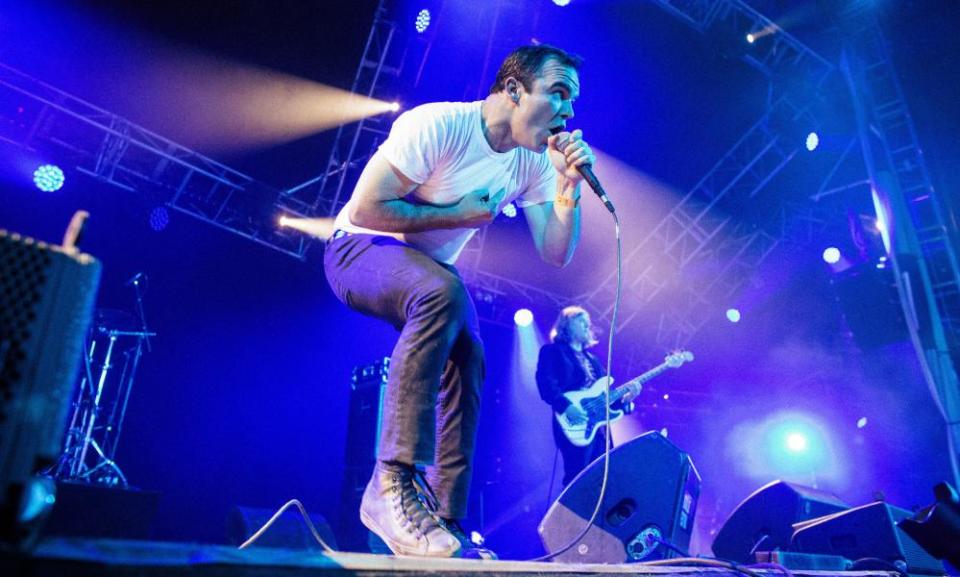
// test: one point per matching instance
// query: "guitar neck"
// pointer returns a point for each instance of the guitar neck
(619, 392)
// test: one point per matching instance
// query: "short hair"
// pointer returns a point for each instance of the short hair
(560, 333)
(525, 62)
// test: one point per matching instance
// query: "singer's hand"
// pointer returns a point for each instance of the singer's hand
(567, 151)
(479, 207)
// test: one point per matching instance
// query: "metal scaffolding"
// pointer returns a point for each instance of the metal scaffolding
(921, 240)
(113, 150)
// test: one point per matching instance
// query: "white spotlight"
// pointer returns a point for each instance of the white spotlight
(523, 317)
(394, 106)
(733, 315)
(813, 140)
(831, 255)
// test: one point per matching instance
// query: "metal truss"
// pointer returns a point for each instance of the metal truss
(923, 255)
(698, 254)
(895, 136)
(356, 142)
(122, 154)
(774, 49)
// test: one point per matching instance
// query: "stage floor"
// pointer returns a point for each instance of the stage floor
(103, 557)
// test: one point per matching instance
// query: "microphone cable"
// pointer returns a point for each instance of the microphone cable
(606, 392)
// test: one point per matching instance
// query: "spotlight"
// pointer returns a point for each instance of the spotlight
(561, 2)
(813, 140)
(796, 442)
(733, 315)
(159, 218)
(751, 38)
(831, 255)
(283, 221)
(861, 422)
(394, 106)
(423, 21)
(523, 317)
(510, 211)
(48, 178)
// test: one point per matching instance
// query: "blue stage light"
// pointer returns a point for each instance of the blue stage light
(733, 315)
(523, 317)
(48, 178)
(159, 218)
(861, 422)
(796, 442)
(812, 141)
(423, 21)
(831, 255)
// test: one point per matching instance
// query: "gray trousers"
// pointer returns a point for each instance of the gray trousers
(432, 403)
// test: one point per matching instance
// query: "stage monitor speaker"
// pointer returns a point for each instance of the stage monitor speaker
(88, 510)
(764, 520)
(289, 531)
(866, 532)
(46, 302)
(651, 497)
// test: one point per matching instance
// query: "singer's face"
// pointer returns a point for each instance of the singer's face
(548, 104)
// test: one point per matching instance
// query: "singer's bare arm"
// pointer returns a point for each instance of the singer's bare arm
(555, 226)
(378, 203)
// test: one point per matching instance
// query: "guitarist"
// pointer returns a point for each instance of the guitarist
(566, 365)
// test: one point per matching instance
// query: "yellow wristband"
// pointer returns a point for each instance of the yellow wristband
(566, 201)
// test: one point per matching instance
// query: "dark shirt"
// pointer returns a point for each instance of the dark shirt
(559, 370)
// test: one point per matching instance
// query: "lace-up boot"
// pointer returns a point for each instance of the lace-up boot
(395, 510)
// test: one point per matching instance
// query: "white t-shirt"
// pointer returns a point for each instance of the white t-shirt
(441, 147)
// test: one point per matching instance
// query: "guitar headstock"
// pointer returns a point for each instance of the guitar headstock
(677, 358)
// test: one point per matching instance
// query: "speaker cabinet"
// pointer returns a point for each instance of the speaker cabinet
(764, 520)
(651, 496)
(46, 301)
(869, 531)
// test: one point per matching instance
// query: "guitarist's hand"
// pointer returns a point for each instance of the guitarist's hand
(632, 394)
(575, 415)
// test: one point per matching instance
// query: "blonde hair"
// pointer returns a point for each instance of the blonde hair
(560, 333)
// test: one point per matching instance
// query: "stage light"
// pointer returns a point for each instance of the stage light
(561, 2)
(423, 21)
(523, 318)
(283, 221)
(751, 38)
(48, 178)
(394, 106)
(813, 140)
(861, 422)
(159, 218)
(733, 315)
(831, 255)
(796, 442)
(510, 211)
(666, 396)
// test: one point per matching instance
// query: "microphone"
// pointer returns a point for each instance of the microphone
(135, 279)
(586, 171)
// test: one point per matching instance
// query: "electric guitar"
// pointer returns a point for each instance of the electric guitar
(591, 400)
